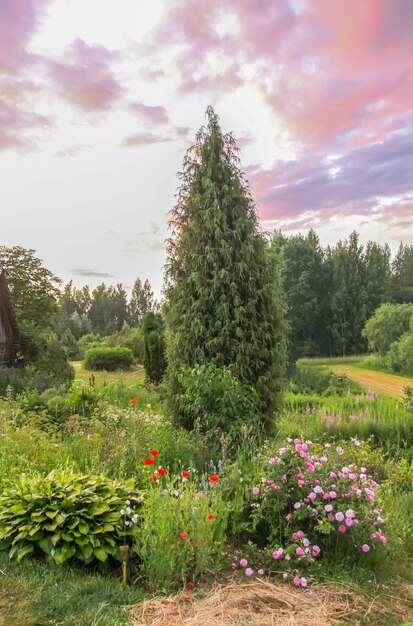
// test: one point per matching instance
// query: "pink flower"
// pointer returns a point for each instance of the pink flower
(318, 489)
(248, 571)
(365, 547)
(333, 475)
(299, 552)
(295, 536)
(243, 562)
(383, 540)
(349, 522)
(288, 517)
(260, 572)
(316, 550)
(352, 476)
(277, 554)
(306, 542)
(342, 529)
(300, 534)
(331, 517)
(300, 482)
(340, 451)
(332, 494)
(297, 505)
(339, 516)
(328, 508)
(303, 582)
(255, 491)
(297, 581)
(233, 566)
(310, 466)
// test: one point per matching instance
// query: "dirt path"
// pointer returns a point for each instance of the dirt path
(379, 382)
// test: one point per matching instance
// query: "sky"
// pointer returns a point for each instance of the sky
(99, 100)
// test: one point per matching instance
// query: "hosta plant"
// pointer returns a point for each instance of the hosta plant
(65, 515)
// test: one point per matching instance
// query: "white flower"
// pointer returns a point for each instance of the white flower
(127, 502)
(122, 511)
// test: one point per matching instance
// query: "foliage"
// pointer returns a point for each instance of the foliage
(310, 500)
(108, 309)
(63, 514)
(108, 359)
(304, 280)
(224, 304)
(154, 342)
(313, 379)
(389, 323)
(33, 288)
(190, 521)
(214, 397)
(127, 337)
(400, 355)
(141, 301)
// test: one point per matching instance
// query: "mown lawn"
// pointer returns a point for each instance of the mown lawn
(130, 377)
(353, 367)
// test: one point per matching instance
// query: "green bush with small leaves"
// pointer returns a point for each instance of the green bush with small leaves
(65, 515)
(109, 359)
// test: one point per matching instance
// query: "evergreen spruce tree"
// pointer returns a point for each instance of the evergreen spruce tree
(154, 348)
(223, 295)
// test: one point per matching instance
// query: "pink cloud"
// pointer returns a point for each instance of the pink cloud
(154, 114)
(84, 78)
(18, 22)
(16, 126)
(143, 139)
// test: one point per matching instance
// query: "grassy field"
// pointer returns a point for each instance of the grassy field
(378, 381)
(131, 377)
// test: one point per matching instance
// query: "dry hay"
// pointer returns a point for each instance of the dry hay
(261, 603)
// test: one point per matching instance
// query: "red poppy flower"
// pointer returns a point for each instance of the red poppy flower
(149, 461)
(154, 478)
(214, 478)
(154, 452)
(193, 544)
(161, 471)
(211, 516)
(135, 400)
(130, 402)
(191, 585)
(183, 535)
(185, 473)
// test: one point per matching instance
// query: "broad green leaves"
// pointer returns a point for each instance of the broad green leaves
(66, 515)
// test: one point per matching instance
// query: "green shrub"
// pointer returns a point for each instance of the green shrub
(182, 531)
(215, 398)
(306, 500)
(400, 355)
(109, 359)
(11, 379)
(63, 514)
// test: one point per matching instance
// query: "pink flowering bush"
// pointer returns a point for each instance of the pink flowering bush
(314, 498)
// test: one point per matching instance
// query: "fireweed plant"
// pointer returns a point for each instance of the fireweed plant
(313, 499)
(182, 525)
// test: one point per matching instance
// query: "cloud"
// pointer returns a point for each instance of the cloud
(88, 273)
(17, 126)
(143, 139)
(18, 23)
(351, 183)
(84, 77)
(153, 114)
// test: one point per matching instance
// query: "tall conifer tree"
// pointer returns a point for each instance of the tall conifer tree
(223, 296)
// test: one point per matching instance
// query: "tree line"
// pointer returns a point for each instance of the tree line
(331, 292)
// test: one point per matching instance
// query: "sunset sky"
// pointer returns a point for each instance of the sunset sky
(100, 99)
